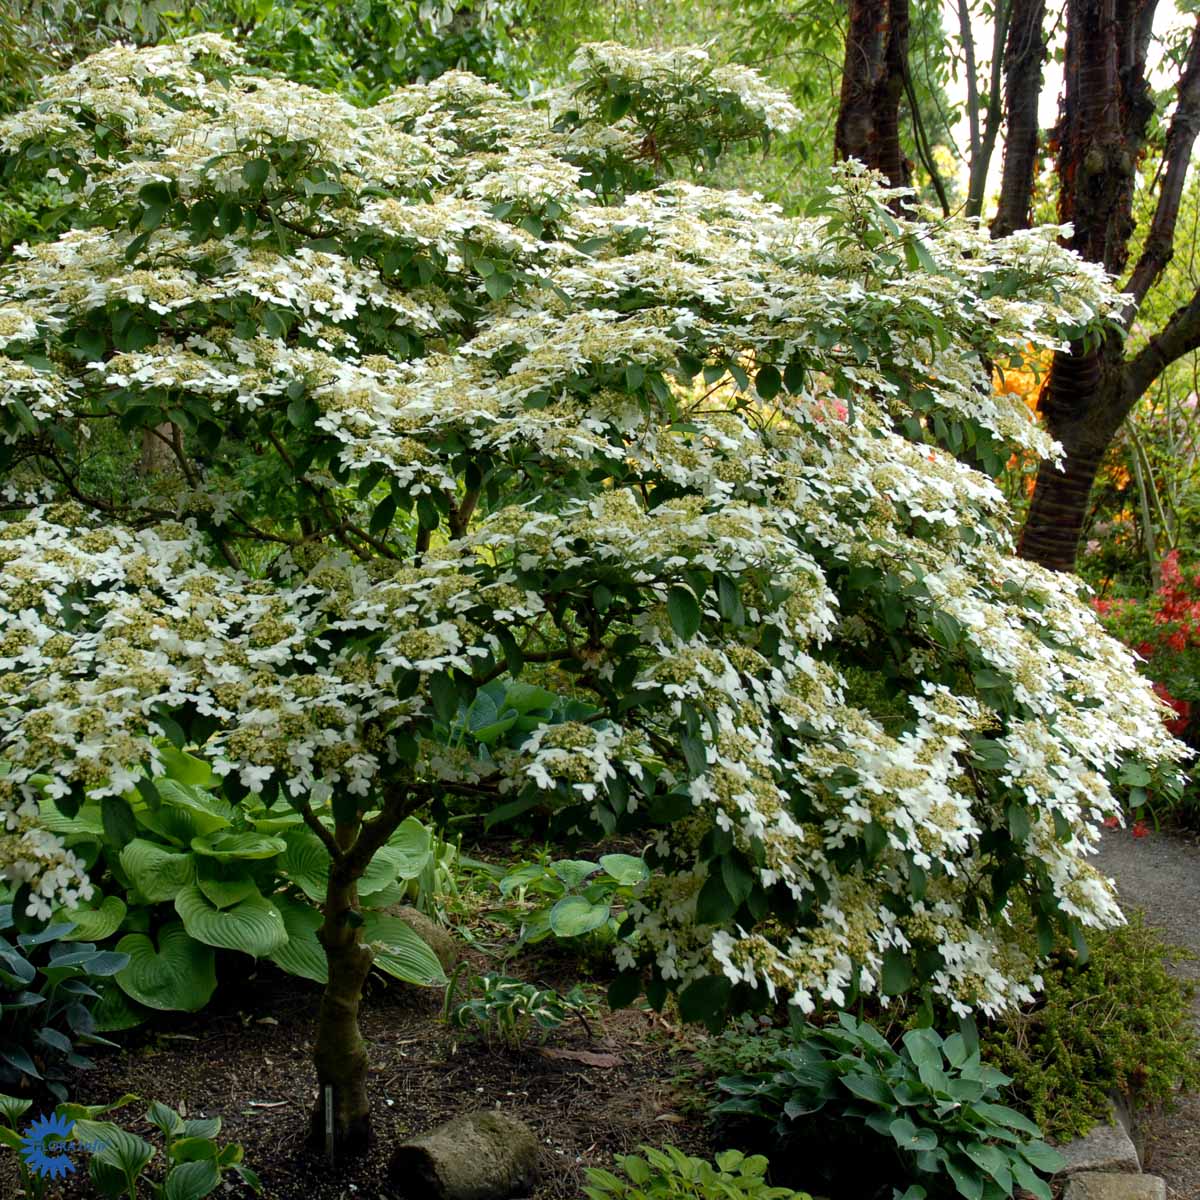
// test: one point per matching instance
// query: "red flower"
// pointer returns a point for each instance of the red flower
(1111, 822)
(1140, 829)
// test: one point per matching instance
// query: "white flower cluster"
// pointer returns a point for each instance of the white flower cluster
(666, 433)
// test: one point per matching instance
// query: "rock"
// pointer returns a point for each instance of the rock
(441, 941)
(1109, 1185)
(1107, 1147)
(482, 1156)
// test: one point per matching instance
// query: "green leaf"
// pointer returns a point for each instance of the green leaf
(158, 874)
(252, 926)
(191, 1180)
(573, 916)
(119, 825)
(627, 869)
(122, 1150)
(302, 954)
(1041, 1156)
(306, 864)
(768, 382)
(897, 974)
(573, 871)
(684, 611)
(186, 768)
(400, 952)
(227, 846)
(705, 999)
(909, 1137)
(256, 172)
(95, 924)
(178, 975)
(869, 1087)
(207, 813)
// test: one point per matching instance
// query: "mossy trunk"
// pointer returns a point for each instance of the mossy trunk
(340, 1054)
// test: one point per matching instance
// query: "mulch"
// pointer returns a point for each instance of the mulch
(246, 1059)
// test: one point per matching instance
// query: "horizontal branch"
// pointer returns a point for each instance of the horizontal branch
(1179, 336)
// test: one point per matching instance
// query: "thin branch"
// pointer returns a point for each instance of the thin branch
(327, 839)
(1185, 125)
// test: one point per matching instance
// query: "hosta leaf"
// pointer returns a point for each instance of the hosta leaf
(306, 863)
(410, 848)
(192, 1180)
(87, 824)
(121, 1149)
(228, 846)
(626, 869)
(179, 975)
(95, 924)
(207, 812)
(573, 916)
(157, 873)
(222, 885)
(252, 926)
(115, 1011)
(186, 768)
(573, 871)
(400, 952)
(302, 954)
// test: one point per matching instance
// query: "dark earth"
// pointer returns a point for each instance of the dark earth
(246, 1059)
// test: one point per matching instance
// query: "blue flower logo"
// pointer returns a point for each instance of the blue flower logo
(36, 1153)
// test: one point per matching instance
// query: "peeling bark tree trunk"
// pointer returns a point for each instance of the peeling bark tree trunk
(340, 1054)
(1107, 104)
(868, 124)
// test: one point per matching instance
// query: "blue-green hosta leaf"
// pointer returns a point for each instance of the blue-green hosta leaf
(96, 923)
(158, 874)
(1043, 1157)
(993, 1160)
(573, 871)
(229, 846)
(13, 1108)
(178, 975)
(576, 915)
(400, 952)
(302, 954)
(252, 926)
(627, 869)
(909, 1137)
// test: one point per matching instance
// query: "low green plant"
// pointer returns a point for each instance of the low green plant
(181, 873)
(670, 1172)
(574, 897)
(931, 1104)
(47, 990)
(509, 1010)
(1118, 1022)
(118, 1159)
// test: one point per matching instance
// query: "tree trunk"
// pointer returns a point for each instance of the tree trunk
(1107, 104)
(340, 1054)
(1024, 53)
(868, 124)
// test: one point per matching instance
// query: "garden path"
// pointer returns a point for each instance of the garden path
(1161, 875)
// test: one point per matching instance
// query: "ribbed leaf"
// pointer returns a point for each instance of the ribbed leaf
(208, 813)
(123, 1150)
(302, 954)
(306, 864)
(400, 952)
(227, 846)
(192, 1181)
(252, 926)
(115, 1011)
(157, 873)
(224, 886)
(179, 975)
(95, 924)
(87, 823)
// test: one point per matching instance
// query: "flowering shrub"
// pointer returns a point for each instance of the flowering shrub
(663, 464)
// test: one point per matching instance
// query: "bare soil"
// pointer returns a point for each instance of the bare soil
(246, 1059)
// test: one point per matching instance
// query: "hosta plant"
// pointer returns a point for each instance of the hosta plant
(509, 1011)
(119, 1162)
(48, 989)
(657, 1174)
(446, 398)
(573, 897)
(930, 1101)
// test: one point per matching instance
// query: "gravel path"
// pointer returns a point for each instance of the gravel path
(1161, 875)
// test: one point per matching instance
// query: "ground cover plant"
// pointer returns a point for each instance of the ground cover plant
(525, 483)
